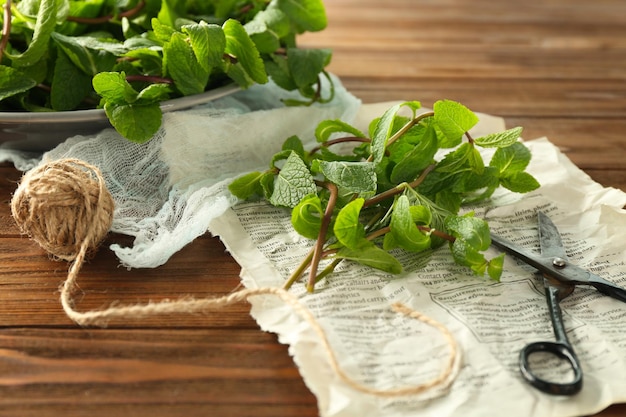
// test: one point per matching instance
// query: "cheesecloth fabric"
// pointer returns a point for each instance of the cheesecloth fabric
(167, 190)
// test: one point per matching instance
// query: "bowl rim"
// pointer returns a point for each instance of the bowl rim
(71, 116)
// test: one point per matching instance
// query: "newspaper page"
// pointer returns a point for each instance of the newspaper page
(491, 321)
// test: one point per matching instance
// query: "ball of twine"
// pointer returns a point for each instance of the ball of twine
(64, 206)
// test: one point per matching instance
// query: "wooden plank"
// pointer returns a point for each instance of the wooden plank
(30, 281)
(501, 97)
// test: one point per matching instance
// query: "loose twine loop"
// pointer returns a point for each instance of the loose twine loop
(66, 208)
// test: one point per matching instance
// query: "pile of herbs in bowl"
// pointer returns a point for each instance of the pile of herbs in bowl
(122, 59)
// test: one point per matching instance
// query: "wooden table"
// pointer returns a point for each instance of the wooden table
(557, 68)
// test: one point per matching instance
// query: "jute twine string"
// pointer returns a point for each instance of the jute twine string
(65, 207)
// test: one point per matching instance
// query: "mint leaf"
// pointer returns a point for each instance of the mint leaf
(114, 88)
(403, 231)
(154, 93)
(293, 183)
(293, 143)
(329, 127)
(137, 123)
(501, 139)
(475, 161)
(495, 266)
(247, 185)
(306, 216)
(267, 28)
(308, 15)
(416, 158)
(520, 182)
(453, 119)
(69, 85)
(90, 54)
(180, 63)
(240, 46)
(278, 70)
(13, 81)
(367, 253)
(512, 159)
(465, 254)
(38, 46)
(208, 43)
(456, 159)
(471, 229)
(170, 12)
(421, 215)
(348, 229)
(162, 32)
(382, 131)
(353, 177)
(305, 65)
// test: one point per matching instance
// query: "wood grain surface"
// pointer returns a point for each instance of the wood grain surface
(555, 67)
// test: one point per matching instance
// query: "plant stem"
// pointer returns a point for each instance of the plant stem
(405, 129)
(383, 231)
(6, 28)
(409, 125)
(299, 271)
(399, 188)
(149, 78)
(339, 140)
(107, 18)
(328, 270)
(321, 238)
(415, 183)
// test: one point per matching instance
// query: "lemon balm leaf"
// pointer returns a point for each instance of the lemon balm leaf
(353, 177)
(293, 183)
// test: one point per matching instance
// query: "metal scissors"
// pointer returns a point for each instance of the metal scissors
(559, 279)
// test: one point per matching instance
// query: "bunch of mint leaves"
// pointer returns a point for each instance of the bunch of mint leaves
(400, 187)
(127, 56)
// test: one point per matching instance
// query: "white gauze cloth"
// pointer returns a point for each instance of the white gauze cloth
(167, 190)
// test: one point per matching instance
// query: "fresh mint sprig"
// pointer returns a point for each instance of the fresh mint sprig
(127, 56)
(401, 187)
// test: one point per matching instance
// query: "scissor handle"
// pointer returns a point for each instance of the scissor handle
(563, 351)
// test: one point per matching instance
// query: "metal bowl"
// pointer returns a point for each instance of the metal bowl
(42, 131)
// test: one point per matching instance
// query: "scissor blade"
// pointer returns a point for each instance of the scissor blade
(550, 238)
